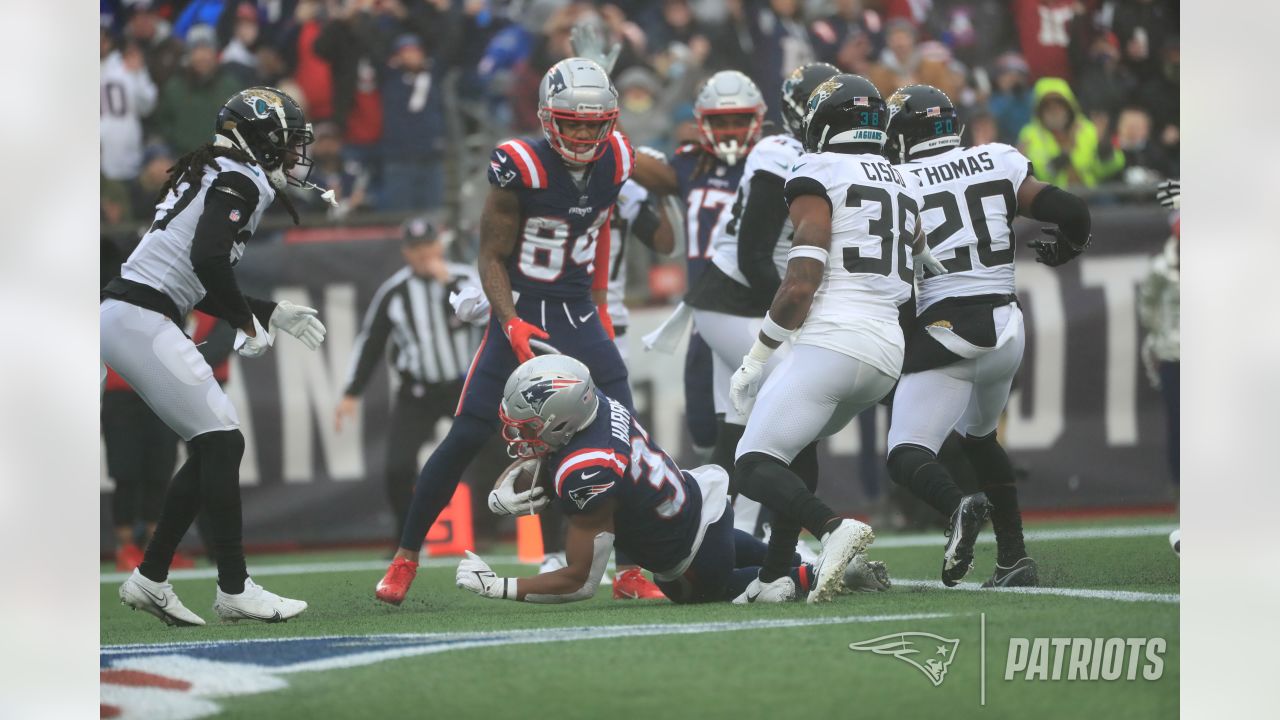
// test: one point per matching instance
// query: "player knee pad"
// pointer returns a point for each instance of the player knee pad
(906, 460)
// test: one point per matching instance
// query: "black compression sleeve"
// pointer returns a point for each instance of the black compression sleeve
(761, 224)
(261, 309)
(646, 224)
(798, 186)
(1065, 210)
(227, 207)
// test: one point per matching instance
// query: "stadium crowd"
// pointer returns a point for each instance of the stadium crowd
(1087, 89)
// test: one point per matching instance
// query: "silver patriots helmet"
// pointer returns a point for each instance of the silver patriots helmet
(729, 111)
(577, 90)
(545, 402)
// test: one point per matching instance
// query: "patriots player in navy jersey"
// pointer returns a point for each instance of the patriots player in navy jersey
(705, 176)
(620, 489)
(543, 263)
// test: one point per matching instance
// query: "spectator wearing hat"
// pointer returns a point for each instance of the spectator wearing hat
(430, 349)
(194, 94)
(413, 133)
(126, 96)
(1063, 145)
(1010, 100)
(239, 56)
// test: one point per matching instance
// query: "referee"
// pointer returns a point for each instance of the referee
(431, 350)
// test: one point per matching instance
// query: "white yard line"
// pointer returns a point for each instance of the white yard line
(887, 543)
(533, 635)
(1090, 593)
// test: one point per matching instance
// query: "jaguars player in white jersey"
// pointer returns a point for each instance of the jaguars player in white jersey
(850, 267)
(208, 209)
(967, 341)
(749, 254)
(638, 215)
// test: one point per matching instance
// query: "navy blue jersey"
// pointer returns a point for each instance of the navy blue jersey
(659, 508)
(707, 200)
(559, 219)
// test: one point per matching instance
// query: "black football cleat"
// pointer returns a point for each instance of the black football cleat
(966, 522)
(1023, 573)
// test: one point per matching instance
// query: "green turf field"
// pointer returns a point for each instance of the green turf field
(455, 655)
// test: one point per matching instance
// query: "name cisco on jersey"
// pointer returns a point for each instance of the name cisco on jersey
(958, 168)
(1065, 658)
(883, 172)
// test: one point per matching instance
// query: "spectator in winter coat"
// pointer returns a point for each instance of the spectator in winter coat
(1062, 144)
(194, 94)
(413, 130)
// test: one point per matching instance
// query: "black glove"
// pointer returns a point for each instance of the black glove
(1169, 193)
(1058, 250)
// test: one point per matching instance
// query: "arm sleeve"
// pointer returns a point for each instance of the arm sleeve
(370, 343)
(218, 344)
(602, 547)
(1065, 210)
(762, 221)
(229, 203)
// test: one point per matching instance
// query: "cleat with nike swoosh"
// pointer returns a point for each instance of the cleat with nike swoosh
(256, 603)
(159, 599)
(962, 532)
(780, 590)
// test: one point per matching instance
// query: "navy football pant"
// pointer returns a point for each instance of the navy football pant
(699, 393)
(725, 565)
(575, 331)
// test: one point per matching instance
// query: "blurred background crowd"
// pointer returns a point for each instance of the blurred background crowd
(408, 96)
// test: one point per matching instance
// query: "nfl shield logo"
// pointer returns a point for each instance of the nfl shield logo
(235, 215)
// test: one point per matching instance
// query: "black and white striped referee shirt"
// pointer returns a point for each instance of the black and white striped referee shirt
(428, 343)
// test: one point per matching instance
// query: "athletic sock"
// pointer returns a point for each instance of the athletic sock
(181, 504)
(220, 454)
(919, 471)
(995, 476)
(766, 480)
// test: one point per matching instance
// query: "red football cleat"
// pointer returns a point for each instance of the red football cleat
(395, 584)
(633, 585)
(181, 562)
(128, 557)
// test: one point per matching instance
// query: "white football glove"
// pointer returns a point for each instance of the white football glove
(924, 260)
(255, 346)
(470, 305)
(299, 321)
(587, 41)
(745, 384)
(504, 500)
(475, 575)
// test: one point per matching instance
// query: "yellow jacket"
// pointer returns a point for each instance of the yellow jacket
(1040, 147)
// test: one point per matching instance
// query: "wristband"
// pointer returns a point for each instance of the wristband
(508, 592)
(774, 331)
(813, 252)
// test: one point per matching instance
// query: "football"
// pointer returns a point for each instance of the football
(530, 471)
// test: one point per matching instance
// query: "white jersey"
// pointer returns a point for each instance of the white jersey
(125, 98)
(630, 196)
(969, 200)
(874, 219)
(773, 154)
(163, 259)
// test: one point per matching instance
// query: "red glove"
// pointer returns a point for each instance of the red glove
(605, 319)
(518, 333)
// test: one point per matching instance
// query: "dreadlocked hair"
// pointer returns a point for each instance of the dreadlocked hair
(194, 163)
(706, 161)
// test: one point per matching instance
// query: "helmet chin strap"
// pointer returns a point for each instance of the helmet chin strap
(276, 176)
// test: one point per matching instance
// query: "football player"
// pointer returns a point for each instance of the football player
(750, 255)
(544, 259)
(848, 270)
(206, 213)
(729, 112)
(617, 487)
(967, 341)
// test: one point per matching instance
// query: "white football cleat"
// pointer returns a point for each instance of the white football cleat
(159, 599)
(838, 549)
(780, 590)
(256, 603)
(865, 575)
(552, 562)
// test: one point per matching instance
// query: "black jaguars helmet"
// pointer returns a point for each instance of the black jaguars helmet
(846, 114)
(268, 125)
(921, 120)
(796, 90)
